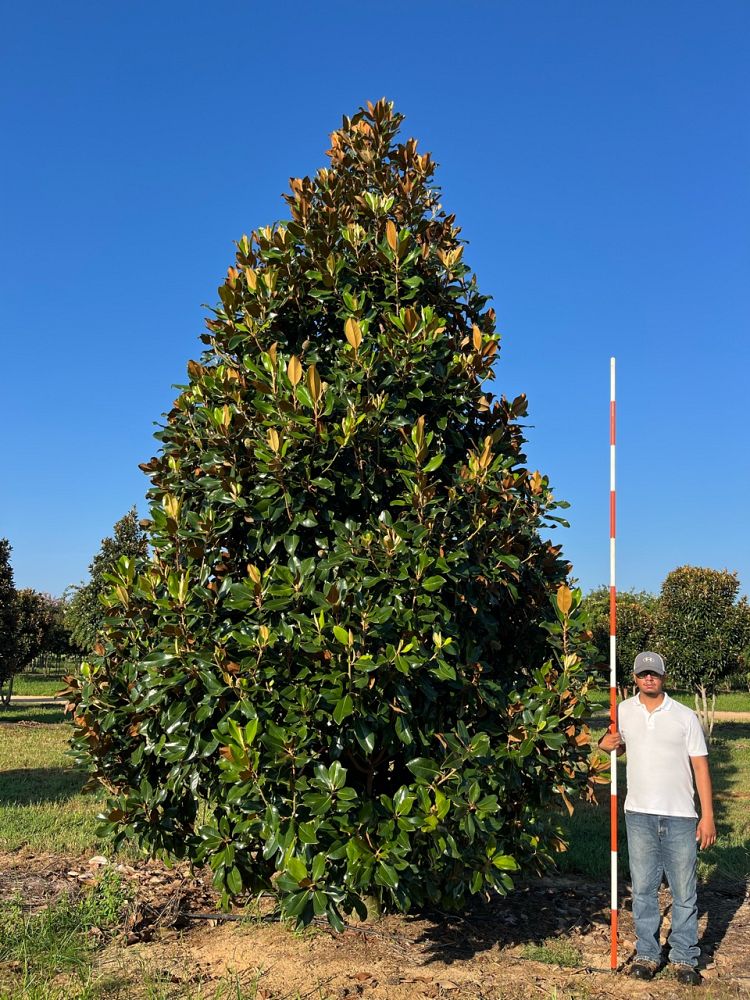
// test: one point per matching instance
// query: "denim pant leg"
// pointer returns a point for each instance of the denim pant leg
(646, 871)
(679, 853)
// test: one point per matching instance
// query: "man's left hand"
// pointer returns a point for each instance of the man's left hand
(705, 833)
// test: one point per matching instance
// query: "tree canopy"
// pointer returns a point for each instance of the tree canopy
(701, 628)
(344, 672)
(36, 620)
(635, 627)
(85, 612)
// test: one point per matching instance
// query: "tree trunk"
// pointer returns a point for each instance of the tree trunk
(705, 714)
(6, 691)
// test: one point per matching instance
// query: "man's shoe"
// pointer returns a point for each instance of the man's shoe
(642, 968)
(687, 975)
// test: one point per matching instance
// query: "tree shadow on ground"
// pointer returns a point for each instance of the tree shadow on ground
(35, 785)
(19, 712)
(719, 900)
(532, 914)
(722, 893)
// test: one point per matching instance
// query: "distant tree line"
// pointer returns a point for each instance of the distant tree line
(32, 624)
(698, 622)
(36, 625)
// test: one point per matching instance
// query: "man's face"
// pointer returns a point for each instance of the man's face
(649, 683)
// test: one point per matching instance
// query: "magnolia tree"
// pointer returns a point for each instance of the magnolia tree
(635, 629)
(341, 674)
(38, 624)
(701, 628)
(85, 612)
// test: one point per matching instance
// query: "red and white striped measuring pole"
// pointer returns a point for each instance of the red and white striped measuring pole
(612, 669)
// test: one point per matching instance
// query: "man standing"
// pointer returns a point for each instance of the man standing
(666, 752)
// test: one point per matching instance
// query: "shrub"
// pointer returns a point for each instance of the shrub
(335, 678)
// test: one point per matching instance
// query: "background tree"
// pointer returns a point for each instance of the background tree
(635, 628)
(84, 612)
(35, 619)
(7, 620)
(39, 627)
(742, 675)
(700, 629)
(343, 652)
(59, 642)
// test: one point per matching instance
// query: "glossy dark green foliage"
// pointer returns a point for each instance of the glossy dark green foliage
(338, 676)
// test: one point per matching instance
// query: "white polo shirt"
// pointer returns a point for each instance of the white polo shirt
(659, 746)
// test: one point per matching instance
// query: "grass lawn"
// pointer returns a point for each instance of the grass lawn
(37, 684)
(42, 807)
(56, 954)
(726, 701)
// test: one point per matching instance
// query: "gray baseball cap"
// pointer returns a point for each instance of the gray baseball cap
(648, 661)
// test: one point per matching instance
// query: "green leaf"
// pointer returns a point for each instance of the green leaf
(423, 769)
(386, 875)
(336, 775)
(234, 881)
(344, 707)
(505, 862)
(341, 634)
(308, 833)
(296, 868)
(434, 463)
(433, 582)
(318, 867)
(296, 903)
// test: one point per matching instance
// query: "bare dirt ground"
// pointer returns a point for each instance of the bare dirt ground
(482, 956)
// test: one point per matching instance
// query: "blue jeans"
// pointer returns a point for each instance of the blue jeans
(659, 845)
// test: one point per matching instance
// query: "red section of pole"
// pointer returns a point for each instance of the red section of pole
(612, 671)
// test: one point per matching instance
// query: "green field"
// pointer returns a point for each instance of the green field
(726, 701)
(37, 684)
(42, 807)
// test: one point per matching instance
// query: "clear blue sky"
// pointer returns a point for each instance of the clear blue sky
(597, 156)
